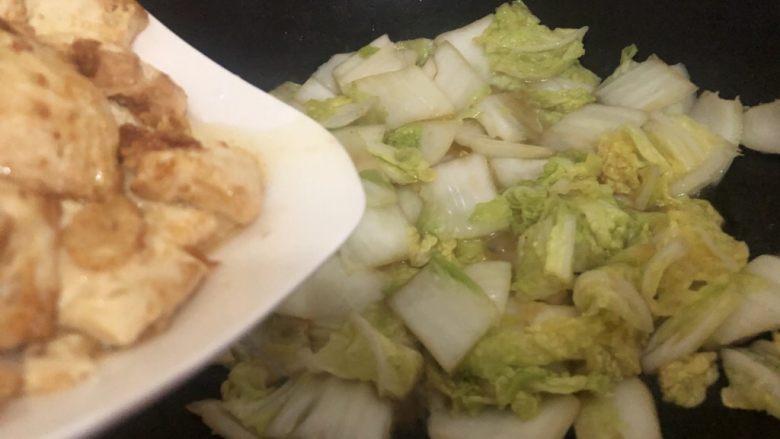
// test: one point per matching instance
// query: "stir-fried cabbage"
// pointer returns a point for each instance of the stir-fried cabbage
(372, 347)
(520, 48)
(628, 413)
(685, 381)
(555, 417)
(760, 129)
(754, 377)
(530, 247)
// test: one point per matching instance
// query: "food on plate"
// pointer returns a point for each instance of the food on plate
(109, 204)
(30, 273)
(59, 137)
(109, 21)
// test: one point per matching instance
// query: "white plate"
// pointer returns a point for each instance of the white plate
(314, 200)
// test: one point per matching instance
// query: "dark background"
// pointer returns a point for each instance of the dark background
(731, 46)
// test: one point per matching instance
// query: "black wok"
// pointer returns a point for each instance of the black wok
(729, 45)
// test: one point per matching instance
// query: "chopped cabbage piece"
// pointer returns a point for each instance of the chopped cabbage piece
(406, 95)
(688, 329)
(401, 165)
(380, 238)
(721, 116)
(332, 293)
(372, 347)
(697, 157)
(436, 138)
(583, 128)
(519, 48)
(451, 198)
(754, 378)
(685, 381)
(313, 89)
(556, 415)
(761, 128)
(759, 308)
(511, 171)
(463, 40)
(445, 309)
(495, 279)
(610, 289)
(455, 77)
(500, 115)
(422, 48)
(380, 56)
(629, 413)
(650, 85)
(324, 73)
(355, 140)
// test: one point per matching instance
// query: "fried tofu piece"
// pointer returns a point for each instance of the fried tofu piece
(110, 21)
(13, 11)
(113, 69)
(58, 364)
(150, 95)
(122, 115)
(29, 280)
(102, 236)
(57, 133)
(216, 178)
(11, 380)
(117, 306)
(222, 179)
(185, 226)
(157, 101)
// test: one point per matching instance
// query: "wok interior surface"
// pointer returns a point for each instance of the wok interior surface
(729, 46)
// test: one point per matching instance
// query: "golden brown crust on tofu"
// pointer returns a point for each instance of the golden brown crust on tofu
(117, 306)
(10, 380)
(171, 167)
(188, 227)
(134, 141)
(57, 133)
(156, 101)
(153, 98)
(218, 179)
(29, 278)
(105, 235)
(58, 364)
(13, 11)
(111, 68)
(110, 21)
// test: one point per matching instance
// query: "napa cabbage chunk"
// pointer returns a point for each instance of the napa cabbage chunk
(684, 382)
(520, 48)
(568, 222)
(754, 377)
(373, 346)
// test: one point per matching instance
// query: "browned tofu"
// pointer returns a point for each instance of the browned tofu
(117, 306)
(29, 280)
(10, 379)
(113, 69)
(57, 133)
(101, 236)
(178, 169)
(110, 21)
(185, 226)
(13, 11)
(150, 95)
(157, 101)
(59, 363)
